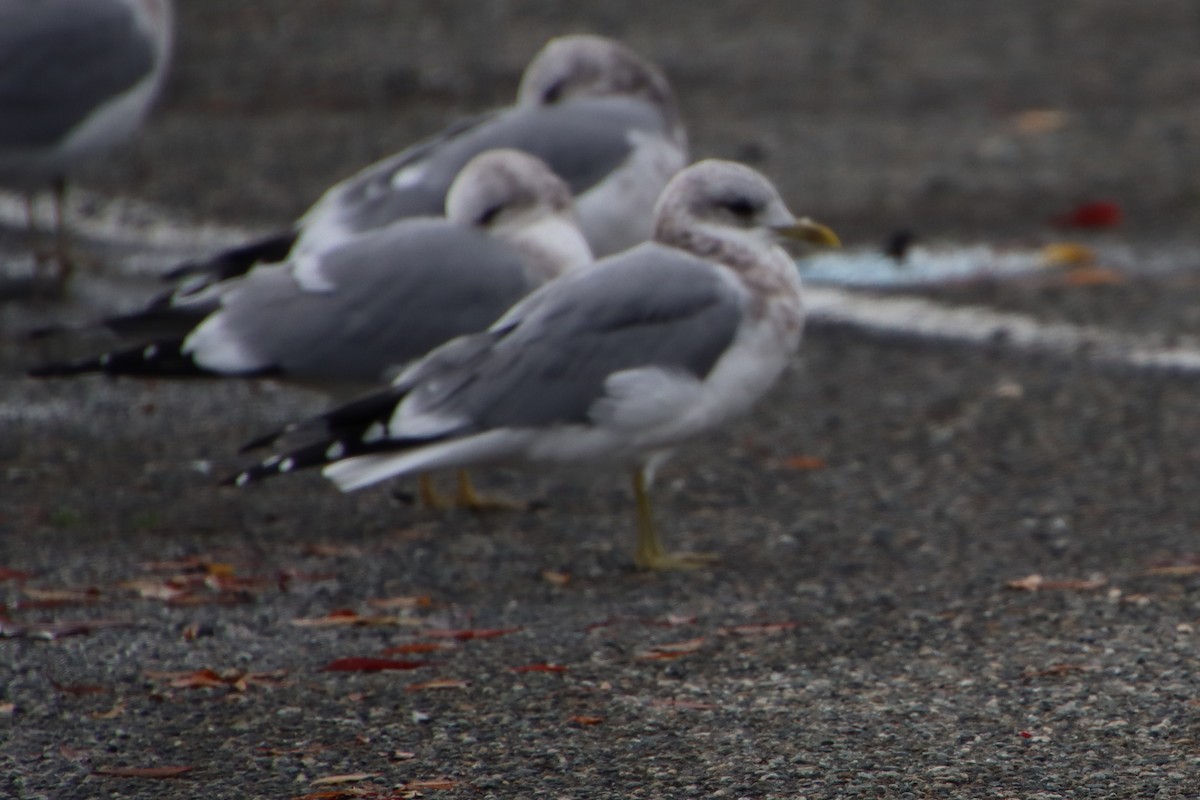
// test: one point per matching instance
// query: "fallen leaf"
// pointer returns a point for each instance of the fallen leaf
(348, 616)
(78, 690)
(673, 620)
(437, 683)
(336, 780)
(1174, 570)
(433, 783)
(408, 601)
(465, 634)
(207, 678)
(142, 772)
(1067, 254)
(758, 628)
(583, 719)
(540, 668)
(1092, 276)
(369, 665)
(805, 462)
(8, 574)
(52, 631)
(111, 714)
(559, 578)
(666, 652)
(1035, 582)
(7, 709)
(1093, 215)
(1053, 670)
(1038, 121)
(49, 598)
(418, 647)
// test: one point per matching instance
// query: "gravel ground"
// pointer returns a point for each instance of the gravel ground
(873, 629)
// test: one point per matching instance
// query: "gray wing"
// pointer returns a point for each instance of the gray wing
(60, 60)
(582, 141)
(547, 360)
(399, 293)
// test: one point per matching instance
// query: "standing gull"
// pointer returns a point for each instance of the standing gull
(618, 363)
(357, 314)
(76, 77)
(599, 115)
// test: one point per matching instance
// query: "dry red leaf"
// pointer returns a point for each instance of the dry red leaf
(51, 598)
(758, 628)
(583, 719)
(1052, 671)
(7, 709)
(348, 616)
(1035, 582)
(326, 550)
(437, 683)
(408, 601)
(1091, 216)
(206, 678)
(78, 690)
(370, 665)
(142, 772)
(418, 647)
(540, 668)
(805, 462)
(8, 574)
(465, 634)
(1174, 570)
(672, 650)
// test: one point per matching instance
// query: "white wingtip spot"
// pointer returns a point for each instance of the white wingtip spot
(374, 433)
(106, 359)
(335, 451)
(150, 352)
(287, 465)
(242, 480)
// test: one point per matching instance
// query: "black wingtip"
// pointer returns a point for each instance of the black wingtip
(160, 359)
(237, 260)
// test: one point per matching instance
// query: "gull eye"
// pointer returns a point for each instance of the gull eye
(489, 216)
(553, 93)
(741, 207)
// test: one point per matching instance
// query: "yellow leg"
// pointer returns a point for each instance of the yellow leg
(466, 497)
(650, 553)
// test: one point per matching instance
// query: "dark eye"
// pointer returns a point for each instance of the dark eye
(489, 216)
(741, 207)
(553, 94)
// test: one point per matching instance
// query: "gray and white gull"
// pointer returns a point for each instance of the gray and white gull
(601, 116)
(76, 78)
(615, 363)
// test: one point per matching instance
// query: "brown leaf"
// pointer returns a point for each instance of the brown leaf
(758, 628)
(326, 550)
(206, 678)
(1037, 121)
(1174, 570)
(348, 616)
(337, 780)
(583, 719)
(540, 668)
(1054, 670)
(142, 772)
(465, 634)
(805, 462)
(559, 578)
(369, 665)
(666, 652)
(7, 709)
(1035, 582)
(437, 683)
(8, 574)
(78, 690)
(111, 714)
(50, 598)
(405, 602)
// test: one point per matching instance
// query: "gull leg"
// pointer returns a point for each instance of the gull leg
(429, 496)
(468, 497)
(650, 553)
(62, 247)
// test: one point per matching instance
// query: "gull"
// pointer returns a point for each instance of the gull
(598, 114)
(356, 315)
(615, 363)
(76, 78)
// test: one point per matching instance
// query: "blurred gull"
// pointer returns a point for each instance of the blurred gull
(599, 115)
(615, 363)
(358, 313)
(76, 77)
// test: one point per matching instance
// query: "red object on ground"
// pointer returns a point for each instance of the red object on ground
(1093, 215)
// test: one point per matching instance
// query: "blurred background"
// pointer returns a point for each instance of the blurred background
(949, 117)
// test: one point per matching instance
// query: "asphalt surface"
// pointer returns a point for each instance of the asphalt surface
(873, 628)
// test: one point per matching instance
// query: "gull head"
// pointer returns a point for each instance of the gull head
(517, 198)
(592, 66)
